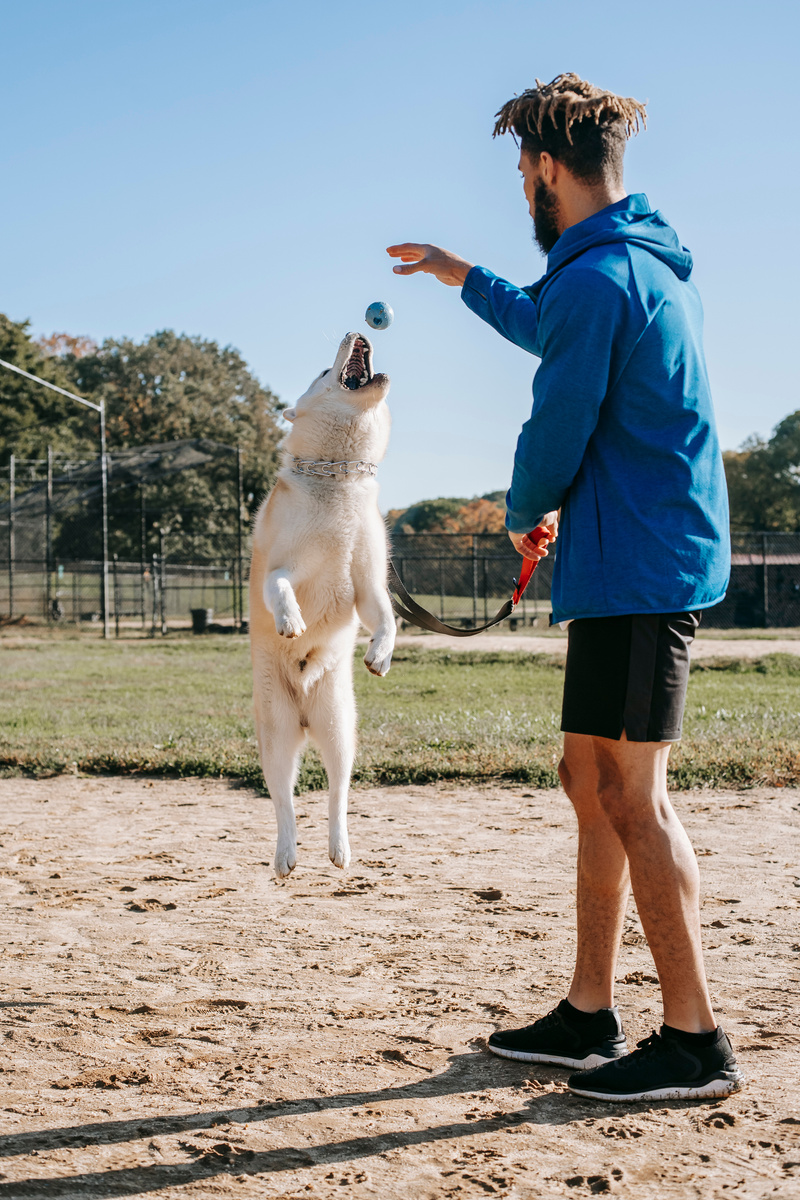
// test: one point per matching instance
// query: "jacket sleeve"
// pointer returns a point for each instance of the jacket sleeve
(505, 307)
(586, 335)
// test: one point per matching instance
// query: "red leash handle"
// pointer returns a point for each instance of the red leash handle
(529, 565)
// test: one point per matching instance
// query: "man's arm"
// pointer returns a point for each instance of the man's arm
(587, 334)
(505, 307)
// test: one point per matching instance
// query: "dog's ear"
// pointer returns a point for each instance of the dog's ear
(289, 414)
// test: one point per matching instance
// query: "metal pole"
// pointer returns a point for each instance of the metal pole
(143, 549)
(239, 504)
(163, 567)
(485, 591)
(49, 534)
(104, 488)
(475, 579)
(764, 537)
(12, 541)
(155, 595)
(116, 596)
(441, 588)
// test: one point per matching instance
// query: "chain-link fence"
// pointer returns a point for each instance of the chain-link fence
(764, 590)
(172, 549)
(181, 553)
(464, 578)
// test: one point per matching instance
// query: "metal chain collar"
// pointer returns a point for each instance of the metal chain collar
(332, 470)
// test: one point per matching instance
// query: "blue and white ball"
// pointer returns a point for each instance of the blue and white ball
(379, 315)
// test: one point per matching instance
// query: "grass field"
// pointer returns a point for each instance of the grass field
(182, 707)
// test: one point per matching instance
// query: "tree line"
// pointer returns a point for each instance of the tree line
(168, 387)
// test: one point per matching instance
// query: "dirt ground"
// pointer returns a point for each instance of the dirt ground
(529, 643)
(177, 1023)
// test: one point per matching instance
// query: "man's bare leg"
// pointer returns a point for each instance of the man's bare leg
(632, 791)
(603, 883)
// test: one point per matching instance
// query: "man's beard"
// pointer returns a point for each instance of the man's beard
(546, 215)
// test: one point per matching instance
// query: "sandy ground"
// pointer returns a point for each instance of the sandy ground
(177, 1023)
(555, 644)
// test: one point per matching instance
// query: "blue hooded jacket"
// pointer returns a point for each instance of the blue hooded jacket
(622, 435)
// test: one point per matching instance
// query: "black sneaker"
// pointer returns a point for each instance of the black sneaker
(663, 1068)
(565, 1043)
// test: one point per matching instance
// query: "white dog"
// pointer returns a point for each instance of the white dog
(319, 564)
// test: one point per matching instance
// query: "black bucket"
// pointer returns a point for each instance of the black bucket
(201, 619)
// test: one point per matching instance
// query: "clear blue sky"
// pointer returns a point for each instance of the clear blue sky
(236, 169)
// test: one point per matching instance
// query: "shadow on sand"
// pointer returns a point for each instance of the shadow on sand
(548, 1109)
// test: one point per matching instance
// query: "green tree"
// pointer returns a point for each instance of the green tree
(428, 516)
(166, 388)
(172, 387)
(33, 417)
(764, 480)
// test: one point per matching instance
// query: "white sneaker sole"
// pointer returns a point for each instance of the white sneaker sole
(555, 1060)
(714, 1089)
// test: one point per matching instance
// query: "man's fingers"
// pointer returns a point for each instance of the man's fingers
(405, 250)
(409, 270)
(537, 549)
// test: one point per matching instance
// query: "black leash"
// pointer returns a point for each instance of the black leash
(415, 614)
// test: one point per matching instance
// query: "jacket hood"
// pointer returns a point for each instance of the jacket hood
(630, 220)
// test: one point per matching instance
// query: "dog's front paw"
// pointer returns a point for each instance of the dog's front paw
(378, 658)
(339, 852)
(285, 858)
(290, 624)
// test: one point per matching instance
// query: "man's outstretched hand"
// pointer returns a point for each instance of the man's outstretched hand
(433, 260)
(536, 550)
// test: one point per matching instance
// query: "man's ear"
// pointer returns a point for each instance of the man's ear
(548, 168)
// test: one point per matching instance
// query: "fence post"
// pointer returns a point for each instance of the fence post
(239, 505)
(163, 581)
(485, 590)
(12, 547)
(475, 579)
(48, 535)
(441, 588)
(155, 596)
(115, 562)
(104, 498)
(142, 549)
(764, 537)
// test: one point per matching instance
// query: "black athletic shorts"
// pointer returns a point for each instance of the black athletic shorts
(628, 673)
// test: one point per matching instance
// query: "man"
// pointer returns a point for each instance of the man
(622, 441)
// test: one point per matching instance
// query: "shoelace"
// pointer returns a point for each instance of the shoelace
(649, 1047)
(549, 1020)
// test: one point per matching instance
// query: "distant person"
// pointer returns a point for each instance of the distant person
(622, 441)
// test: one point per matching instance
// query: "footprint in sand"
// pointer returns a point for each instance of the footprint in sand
(622, 1131)
(719, 1120)
(597, 1184)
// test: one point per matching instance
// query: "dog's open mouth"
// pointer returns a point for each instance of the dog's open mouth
(357, 371)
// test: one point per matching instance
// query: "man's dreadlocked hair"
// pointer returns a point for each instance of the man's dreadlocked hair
(580, 125)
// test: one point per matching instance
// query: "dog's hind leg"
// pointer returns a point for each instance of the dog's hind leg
(332, 725)
(279, 744)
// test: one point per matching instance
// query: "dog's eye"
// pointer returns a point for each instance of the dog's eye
(322, 373)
